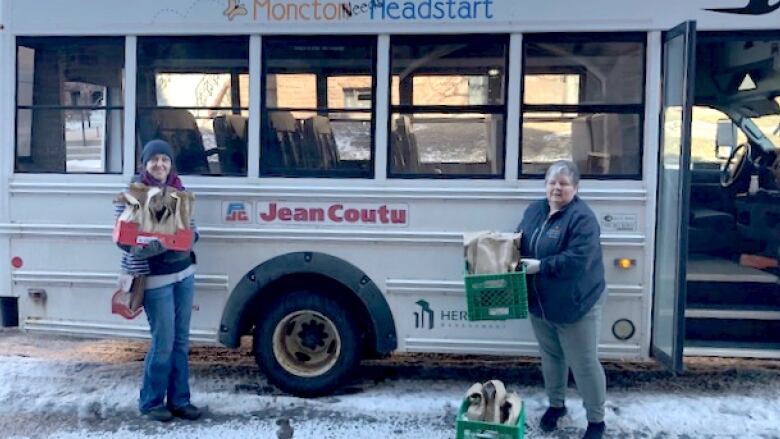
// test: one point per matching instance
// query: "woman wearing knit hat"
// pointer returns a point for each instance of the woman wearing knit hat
(169, 288)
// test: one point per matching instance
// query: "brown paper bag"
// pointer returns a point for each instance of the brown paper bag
(128, 299)
(492, 252)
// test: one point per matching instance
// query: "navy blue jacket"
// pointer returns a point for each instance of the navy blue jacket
(571, 276)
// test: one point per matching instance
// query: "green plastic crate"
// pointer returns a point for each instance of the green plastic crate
(501, 296)
(466, 429)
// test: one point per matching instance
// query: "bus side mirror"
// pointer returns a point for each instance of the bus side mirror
(726, 138)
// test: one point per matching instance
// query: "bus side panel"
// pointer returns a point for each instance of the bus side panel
(418, 268)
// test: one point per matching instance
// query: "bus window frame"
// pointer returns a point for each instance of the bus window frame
(174, 66)
(637, 109)
(32, 107)
(282, 172)
(411, 109)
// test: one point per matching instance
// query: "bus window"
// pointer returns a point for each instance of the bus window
(583, 101)
(193, 93)
(447, 106)
(704, 130)
(69, 107)
(318, 107)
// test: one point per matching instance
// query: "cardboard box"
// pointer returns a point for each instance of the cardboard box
(128, 234)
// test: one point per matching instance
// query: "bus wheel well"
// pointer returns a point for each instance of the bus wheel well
(329, 276)
(326, 286)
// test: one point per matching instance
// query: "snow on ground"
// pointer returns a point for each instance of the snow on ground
(69, 388)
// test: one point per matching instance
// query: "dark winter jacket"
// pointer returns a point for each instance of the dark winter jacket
(171, 261)
(571, 276)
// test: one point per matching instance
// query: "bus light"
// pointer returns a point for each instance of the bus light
(623, 329)
(624, 263)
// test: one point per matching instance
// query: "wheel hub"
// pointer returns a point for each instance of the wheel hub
(306, 343)
(312, 335)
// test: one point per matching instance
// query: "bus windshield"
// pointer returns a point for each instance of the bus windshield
(770, 126)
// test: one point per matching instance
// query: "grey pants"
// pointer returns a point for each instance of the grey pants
(575, 345)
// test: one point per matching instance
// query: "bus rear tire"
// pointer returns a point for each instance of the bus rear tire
(306, 343)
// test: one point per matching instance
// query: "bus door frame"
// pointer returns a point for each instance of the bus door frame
(673, 196)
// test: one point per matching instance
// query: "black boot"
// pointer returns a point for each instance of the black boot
(160, 414)
(595, 430)
(188, 411)
(550, 418)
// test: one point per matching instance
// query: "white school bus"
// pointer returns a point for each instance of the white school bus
(339, 150)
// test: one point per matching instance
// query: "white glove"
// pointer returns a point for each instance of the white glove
(532, 266)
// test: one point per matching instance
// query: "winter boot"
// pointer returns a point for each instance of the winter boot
(550, 418)
(160, 414)
(595, 430)
(189, 412)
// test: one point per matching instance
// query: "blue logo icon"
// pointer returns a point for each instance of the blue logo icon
(236, 212)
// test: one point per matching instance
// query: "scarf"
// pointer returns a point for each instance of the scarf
(173, 180)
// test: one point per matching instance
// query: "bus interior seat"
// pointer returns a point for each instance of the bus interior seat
(230, 133)
(600, 157)
(320, 143)
(589, 151)
(405, 157)
(582, 142)
(288, 140)
(712, 226)
(620, 132)
(179, 128)
(599, 144)
(711, 231)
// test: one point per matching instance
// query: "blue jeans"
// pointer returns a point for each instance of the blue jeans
(166, 369)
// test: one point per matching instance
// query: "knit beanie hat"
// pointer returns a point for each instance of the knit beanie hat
(154, 147)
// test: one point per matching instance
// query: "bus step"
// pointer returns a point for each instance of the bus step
(709, 348)
(701, 268)
(734, 294)
(731, 312)
(732, 330)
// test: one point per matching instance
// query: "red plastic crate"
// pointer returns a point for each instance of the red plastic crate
(128, 234)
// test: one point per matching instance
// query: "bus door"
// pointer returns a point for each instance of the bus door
(668, 330)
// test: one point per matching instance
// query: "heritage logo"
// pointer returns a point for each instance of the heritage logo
(337, 213)
(424, 317)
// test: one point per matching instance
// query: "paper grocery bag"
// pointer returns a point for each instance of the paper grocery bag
(128, 299)
(492, 252)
